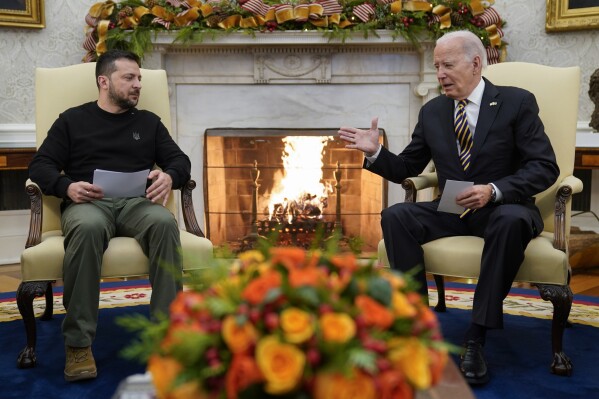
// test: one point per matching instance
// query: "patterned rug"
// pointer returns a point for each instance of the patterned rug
(520, 302)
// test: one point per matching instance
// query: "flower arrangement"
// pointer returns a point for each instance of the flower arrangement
(130, 23)
(291, 323)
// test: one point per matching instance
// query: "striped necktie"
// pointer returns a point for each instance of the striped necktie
(464, 137)
(463, 134)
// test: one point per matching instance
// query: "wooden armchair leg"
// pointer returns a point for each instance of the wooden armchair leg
(26, 293)
(561, 298)
(440, 283)
(49, 311)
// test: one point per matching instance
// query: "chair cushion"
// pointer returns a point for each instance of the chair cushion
(460, 257)
(123, 257)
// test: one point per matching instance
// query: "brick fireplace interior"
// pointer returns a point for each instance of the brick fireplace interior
(231, 159)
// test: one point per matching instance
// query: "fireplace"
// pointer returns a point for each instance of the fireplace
(289, 81)
(300, 183)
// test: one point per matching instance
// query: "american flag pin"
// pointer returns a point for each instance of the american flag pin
(493, 103)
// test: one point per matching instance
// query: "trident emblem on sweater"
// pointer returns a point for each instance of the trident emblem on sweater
(136, 135)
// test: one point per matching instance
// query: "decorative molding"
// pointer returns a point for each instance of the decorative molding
(17, 135)
(292, 68)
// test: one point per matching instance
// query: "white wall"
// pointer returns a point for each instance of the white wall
(59, 44)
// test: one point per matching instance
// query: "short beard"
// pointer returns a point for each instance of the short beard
(121, 102)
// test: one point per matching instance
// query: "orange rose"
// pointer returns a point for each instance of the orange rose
(345, 261)
(281, 364)
(337, 327)
(256, 290)
(310, 276)
(164, 370)
(297, 325)
(373, 312)
(337, 282)
(338, 386)
(238, 337)
(438, 360)
(290, 257)
(185, 304)
(242, 373)
(393, 385)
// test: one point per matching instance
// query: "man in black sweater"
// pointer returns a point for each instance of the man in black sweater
(110, 134)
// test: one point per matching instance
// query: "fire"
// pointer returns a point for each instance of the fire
(299, 192)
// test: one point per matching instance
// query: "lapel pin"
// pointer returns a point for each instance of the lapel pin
(493, 103)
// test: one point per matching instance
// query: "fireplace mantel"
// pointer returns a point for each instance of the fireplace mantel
(292, 44)
(293, 80)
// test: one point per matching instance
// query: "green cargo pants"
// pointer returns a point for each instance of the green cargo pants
(88, 227)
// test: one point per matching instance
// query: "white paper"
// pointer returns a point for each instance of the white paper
(121, 184)
(451, 190)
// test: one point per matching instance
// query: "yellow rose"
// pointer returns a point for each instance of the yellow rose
(401, 306)
(412, 358)
(238, 337)
(281, 364)
(253, 256)
(297, 325)
(337, 327)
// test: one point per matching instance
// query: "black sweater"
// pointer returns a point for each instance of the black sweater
(86, 138)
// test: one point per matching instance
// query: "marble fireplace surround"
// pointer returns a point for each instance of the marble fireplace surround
(292, 80)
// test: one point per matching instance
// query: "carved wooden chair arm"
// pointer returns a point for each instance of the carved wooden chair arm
(412, 184)
(566, 188)
(189, 215)
(36, 214)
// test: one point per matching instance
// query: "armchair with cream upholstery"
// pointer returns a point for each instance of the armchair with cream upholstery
(546, 263)
(57, 89)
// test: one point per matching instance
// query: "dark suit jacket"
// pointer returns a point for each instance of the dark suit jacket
(511, 149)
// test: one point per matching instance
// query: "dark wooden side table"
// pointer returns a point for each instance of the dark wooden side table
(13, 174)
(585, 160)
(15, 158)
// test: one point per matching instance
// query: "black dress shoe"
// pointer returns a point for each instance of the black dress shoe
(473, 365)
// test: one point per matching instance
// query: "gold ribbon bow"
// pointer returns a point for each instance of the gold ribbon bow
(494, 35)
(476, 7)
(395, 7)
(417, 5)
(187, 17)
(444, 14)
(133, 20)
(101, 10)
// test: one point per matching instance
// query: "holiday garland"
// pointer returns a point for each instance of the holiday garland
(130, 24)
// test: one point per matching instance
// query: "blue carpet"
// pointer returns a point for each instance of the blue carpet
(518, 356)
(46, 380)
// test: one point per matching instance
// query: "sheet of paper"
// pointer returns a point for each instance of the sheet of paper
(451, 190)
(120, 184)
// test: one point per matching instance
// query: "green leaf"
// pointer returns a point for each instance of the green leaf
(149, 336)
(380, 289)
(363, 359)
(307, 295)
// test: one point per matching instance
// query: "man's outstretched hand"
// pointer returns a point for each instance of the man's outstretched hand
(366, 141)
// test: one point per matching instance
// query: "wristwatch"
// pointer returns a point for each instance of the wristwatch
(493, 193)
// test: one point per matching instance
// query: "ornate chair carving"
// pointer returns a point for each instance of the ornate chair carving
(57, 89)
(546, 263)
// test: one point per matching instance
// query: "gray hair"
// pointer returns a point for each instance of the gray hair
(471, 44)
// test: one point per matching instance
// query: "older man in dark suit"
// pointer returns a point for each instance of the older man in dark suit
(476, 132)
